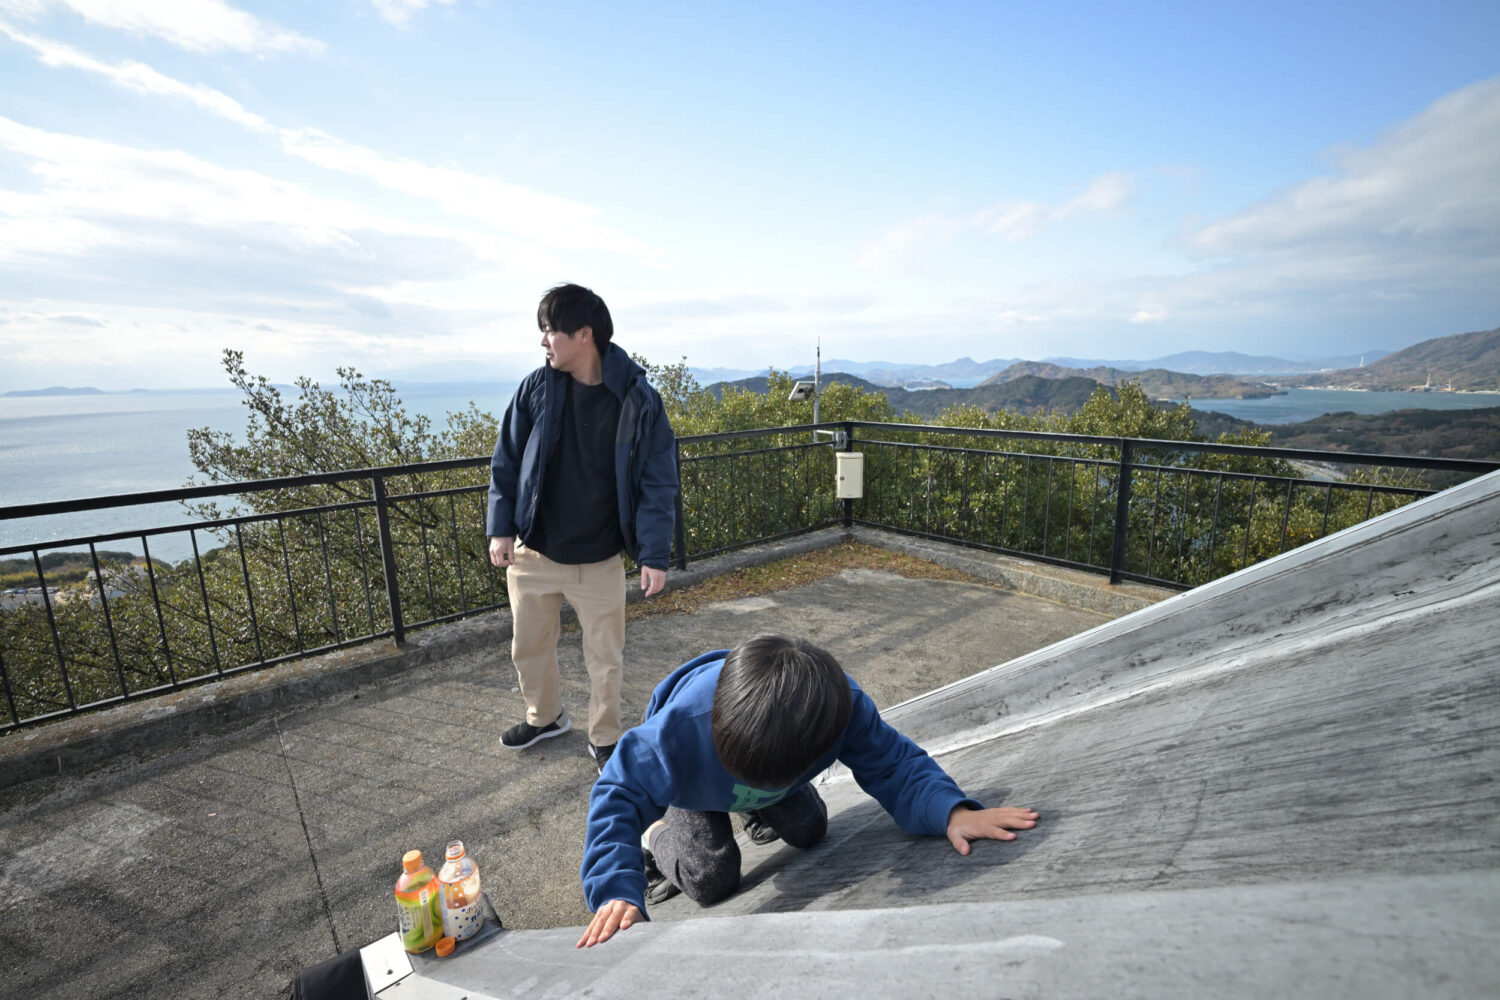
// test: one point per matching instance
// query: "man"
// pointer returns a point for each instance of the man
(585, 468)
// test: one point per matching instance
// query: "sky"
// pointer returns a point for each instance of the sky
(392, 184)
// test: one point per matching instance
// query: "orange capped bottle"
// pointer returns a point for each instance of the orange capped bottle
(418, 907)
(462, 907)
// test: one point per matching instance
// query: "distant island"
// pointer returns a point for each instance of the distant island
(57, 390)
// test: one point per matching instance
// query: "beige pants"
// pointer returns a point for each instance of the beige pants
(596, 591)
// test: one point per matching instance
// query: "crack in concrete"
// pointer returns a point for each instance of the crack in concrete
(312, 854)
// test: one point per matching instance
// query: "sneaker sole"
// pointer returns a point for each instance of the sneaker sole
(538, 737)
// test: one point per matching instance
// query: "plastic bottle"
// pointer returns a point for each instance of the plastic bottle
(462, 907)
(418, 910)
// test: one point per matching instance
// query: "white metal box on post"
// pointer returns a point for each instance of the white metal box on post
(849, 473)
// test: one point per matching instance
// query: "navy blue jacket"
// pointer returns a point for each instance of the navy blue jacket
(645, 458)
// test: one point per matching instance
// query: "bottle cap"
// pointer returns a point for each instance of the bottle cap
(445, 947)
(455, 850)
(411, 861)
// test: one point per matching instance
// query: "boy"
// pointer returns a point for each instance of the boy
(746, 730)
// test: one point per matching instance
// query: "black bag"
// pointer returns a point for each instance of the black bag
(341, 977)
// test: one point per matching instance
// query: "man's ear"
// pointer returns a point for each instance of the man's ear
(584, 333)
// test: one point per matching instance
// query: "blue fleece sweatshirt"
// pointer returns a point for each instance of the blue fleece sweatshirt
(670, 760)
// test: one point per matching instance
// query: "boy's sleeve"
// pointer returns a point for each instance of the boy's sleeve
(631, 794)
(897, 773)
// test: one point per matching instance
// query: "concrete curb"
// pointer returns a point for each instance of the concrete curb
(86, 741)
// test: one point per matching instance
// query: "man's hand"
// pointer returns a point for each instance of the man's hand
(502, 550)
(615, 915)
(965, 824)
(653, 581)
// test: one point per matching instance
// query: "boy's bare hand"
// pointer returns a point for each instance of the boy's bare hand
(615, 915)
(965, 824)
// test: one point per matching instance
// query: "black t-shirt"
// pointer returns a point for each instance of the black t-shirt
(578, 514)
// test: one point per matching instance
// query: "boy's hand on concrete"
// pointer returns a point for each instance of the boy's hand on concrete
(615, 915)
(965, 824)
(653, 580)
(502, 550)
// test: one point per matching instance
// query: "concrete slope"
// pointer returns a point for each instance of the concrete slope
(1279, 784)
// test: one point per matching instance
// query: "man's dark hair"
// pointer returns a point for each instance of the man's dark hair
(570, 308)
(780, 705)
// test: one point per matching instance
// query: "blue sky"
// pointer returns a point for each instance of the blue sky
(391, 184)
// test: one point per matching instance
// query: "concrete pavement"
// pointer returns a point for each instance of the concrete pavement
(214, 843)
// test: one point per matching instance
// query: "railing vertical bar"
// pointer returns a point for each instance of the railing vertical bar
(1004, 498)
(1327, 499)
(1249, 524)
(364, 568)
(1068, 524)
(679, 529)
(1369, 502)
(432, 610)
(10, 699)
(484, 546)
(1182, 522)
(1093, 512)
(388, 560)
(1025, 505)
(984, 532)
(458, 555)
(333, 608)
(208, 618)
(291, 588)
(109, 622)
(62, 662)
(1155, 522)
(239, 536)
(1213, 530)
(1047, 508)
(1286, 517)
(1122, 511)
(161, 623)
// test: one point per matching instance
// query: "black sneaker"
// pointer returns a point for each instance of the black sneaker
(659, 888)
(523, 734)
(601, 755)
(758, 830)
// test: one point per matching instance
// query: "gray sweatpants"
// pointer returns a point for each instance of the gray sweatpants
(697, 853)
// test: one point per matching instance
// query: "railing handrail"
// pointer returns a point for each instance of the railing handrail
(1209, 447)
(49, 507)
(230, 489)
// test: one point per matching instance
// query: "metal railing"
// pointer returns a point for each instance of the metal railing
(323, 562)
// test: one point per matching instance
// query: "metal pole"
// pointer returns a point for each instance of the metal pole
(388, 558)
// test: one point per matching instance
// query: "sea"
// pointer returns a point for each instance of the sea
(70, 447)
(56, 448)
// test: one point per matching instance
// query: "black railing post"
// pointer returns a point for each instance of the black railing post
(848, 446)
(679, 526)
(1122, 512)
(388, 558)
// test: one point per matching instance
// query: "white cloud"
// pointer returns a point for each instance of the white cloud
(138, 77)
(1012, 221)
(1430, 186)
(195, 25)
(400, 12)
(506, 208)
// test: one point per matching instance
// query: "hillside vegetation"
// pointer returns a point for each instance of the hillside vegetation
(1159, 383)
(1464, 360)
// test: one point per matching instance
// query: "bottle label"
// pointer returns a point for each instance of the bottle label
(419, 921)
(460, 922)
